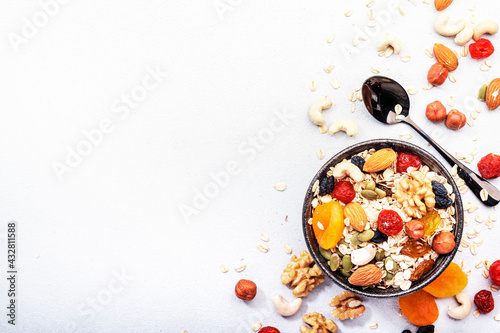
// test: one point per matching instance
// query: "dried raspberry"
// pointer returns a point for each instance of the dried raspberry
(344, 191)
(484, 301)
(405, 161)
(389, 222)
(269, 329)
(489, 166)
(495, 272)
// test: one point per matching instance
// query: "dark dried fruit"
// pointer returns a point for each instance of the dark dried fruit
(379, 237)
(358, 161)
(439, 189)
(421, 269)
(484, 301)
(326, 186)
(442, 202)
(426, 329)
(406, 331)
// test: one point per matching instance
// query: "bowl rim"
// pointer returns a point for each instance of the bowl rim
(458, 229)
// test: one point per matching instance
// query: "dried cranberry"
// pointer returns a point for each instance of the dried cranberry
(405, 161)
(269, 329)
(344, 191)
(489, 166)
(484, 301)
(389, 222)
(481, 49)
(495, 272)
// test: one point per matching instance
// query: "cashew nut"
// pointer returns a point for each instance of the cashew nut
(284, 308)
(389, 40)
(346, 168)
(315, 111)
(485, 27)
(465, 35)
(363, 255)
(345, 125)
(444, 30)
(462, 311)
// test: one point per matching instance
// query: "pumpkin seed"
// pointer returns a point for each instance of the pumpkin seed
(482, 92)
(346, 263)
(391, 265)
(345, 273)
(369, 194)
(334, 262)
(370, 185)
(355, 241)
(366, 235)
(380, 255)
(389, 276)
(381, 193)
(337, 252)
(327, 254)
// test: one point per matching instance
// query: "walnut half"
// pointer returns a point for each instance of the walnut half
(318, 323)
(348, 305)
(302, 275)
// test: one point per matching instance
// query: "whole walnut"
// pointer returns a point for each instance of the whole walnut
(444, 242)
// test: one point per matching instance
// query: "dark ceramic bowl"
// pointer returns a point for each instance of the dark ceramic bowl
(400, 147)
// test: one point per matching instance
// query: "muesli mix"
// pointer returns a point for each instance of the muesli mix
(382, 218)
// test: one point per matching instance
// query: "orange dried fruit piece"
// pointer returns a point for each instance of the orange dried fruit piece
(328, 224)
(419, 308)
(452, 281)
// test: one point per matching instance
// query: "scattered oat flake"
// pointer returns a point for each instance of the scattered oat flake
(328, 67)
(476, 313)
(405, 58)
(479, 219)
(348, 13)
(331, 38)
(388, 52)
(406, 136)
(400, 117)
(280, 187)
(487, 264)
(451, 101)
(288, 249)
(381, 53)
(428, 87)
(371, 14)
(352, 96)
(488, 63)
(484, 68)
(256, 327)
(484, 195)
(375, 70)
(320, 154)
(479, 264)
(240, 268)
(473, 249)
(412, 91)
(429, 53)
(264, 237)
(473, 18)
(370, 3)
(398, 108)
(313, 86)
(492, 217)
(464, 51)
(401, 11)
(373, 326)
(497, 317)
(371, 24)
(486, 274)
(355, 42)
(452, 78)
(494, 287)
(320, 226)
(336, 83)
(353, 107)
(223, 268)
(263, 247)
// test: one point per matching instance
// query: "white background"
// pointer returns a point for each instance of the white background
(230, 71)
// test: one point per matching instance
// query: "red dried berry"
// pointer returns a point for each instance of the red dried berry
(484, 301)
(389, 222)
(489, 166)
(405, 161)
(495, 272)
(269, 329)
(481, 49)
(344, 191)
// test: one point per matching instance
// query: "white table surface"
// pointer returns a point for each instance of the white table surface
(105, 248)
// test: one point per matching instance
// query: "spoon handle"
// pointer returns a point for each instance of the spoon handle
(475, 182)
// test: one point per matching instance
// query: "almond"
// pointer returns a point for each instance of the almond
(366, 275)
(442, 4)
(356, 214)
(492, 94)
(380, 160)
(445, 57)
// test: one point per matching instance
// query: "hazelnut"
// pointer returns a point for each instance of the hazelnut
(444, 242)
(437, 74)
(435, 112)
(455, 120)
(415, 229)
(245, 290)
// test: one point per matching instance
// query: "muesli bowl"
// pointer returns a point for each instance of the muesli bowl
(452, 221)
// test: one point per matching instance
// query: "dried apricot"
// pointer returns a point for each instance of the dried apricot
(449, 283)
(419, 308)
(328, 224)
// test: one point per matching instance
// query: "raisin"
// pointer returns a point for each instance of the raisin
(415, 248)
(379, 237)
(406, 331)
(442, 202)
(484, 301)
(421, 269)
(358, 161)
(326, 186)
(426, 329)
(439, 189)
